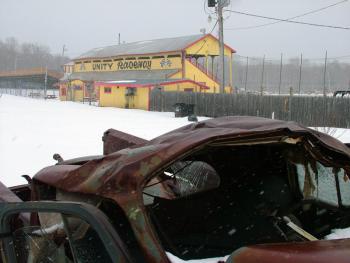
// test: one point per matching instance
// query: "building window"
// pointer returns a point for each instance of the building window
(78, 87)
(154, 57)
(130, 91)
(143, 58)
(107, 90)
(130, 58)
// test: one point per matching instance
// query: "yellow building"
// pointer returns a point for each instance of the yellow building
(124, 74)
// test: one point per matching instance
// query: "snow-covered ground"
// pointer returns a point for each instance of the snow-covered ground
(32, 130)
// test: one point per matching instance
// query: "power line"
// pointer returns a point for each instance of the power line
(290, 18)
(286, 20)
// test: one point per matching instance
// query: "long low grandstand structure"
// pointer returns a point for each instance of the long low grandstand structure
(124, 75)
(34, 80)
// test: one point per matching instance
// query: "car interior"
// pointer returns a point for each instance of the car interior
(226, 196)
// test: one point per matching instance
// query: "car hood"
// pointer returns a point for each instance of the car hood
(118, 174)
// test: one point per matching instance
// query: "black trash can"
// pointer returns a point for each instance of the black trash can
(190, 109)
(180, 110)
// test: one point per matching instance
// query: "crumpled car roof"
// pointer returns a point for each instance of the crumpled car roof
(119, 173)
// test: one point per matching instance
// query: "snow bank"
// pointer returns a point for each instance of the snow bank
(174, 259)
(338, 234)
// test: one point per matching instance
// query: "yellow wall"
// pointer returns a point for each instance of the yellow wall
(142, 98)
(207, 46)
(114, 99)
(117, 98)
(122, 64)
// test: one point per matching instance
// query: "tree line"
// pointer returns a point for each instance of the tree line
(15, 55)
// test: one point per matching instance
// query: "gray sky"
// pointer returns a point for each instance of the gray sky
(85, 24)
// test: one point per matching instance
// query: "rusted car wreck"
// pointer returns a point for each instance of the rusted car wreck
(256, 189)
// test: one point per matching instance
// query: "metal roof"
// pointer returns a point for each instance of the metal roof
(30, 72)
(143, 47)
(122, 75)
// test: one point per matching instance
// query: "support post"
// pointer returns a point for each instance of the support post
(300, 68)
(246, 75)
(324, 75)
(220, 7)
(280, 81)
(230, 73)
(45, 90)
(262, 77)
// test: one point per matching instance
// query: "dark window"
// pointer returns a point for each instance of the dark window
(158, 57)
(107, 90)
(174, 56)
(143, 57)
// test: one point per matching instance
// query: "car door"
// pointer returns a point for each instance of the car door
(62, 232)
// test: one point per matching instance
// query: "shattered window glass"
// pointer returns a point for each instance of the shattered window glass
(318, 182)
(58, 238)
(182, 179)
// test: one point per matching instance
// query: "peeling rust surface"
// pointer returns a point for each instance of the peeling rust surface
(114, 140)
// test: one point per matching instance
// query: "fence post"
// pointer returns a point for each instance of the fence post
(300, 67)
(280, 82)
(290, 103)
(324, 75)
(262, 77)
(246, 76)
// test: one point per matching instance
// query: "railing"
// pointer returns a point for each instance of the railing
(203, 69)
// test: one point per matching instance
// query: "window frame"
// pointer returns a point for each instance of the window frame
(90, 214)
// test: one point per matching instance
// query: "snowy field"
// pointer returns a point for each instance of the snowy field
(32, 130)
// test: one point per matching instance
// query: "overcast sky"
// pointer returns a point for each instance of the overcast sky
(85, 24)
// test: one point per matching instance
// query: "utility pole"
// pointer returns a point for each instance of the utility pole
(220, 4)
(118, 38)
(262, 77)
(45, 91)
(246, 75)
(300, 70)
(63, 50)
(280, 81)
(221, 45)
(324, 75)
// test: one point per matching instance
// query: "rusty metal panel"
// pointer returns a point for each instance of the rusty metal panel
(304, 252)
(114, 140)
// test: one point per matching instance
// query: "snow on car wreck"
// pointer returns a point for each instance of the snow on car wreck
(250, 189)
